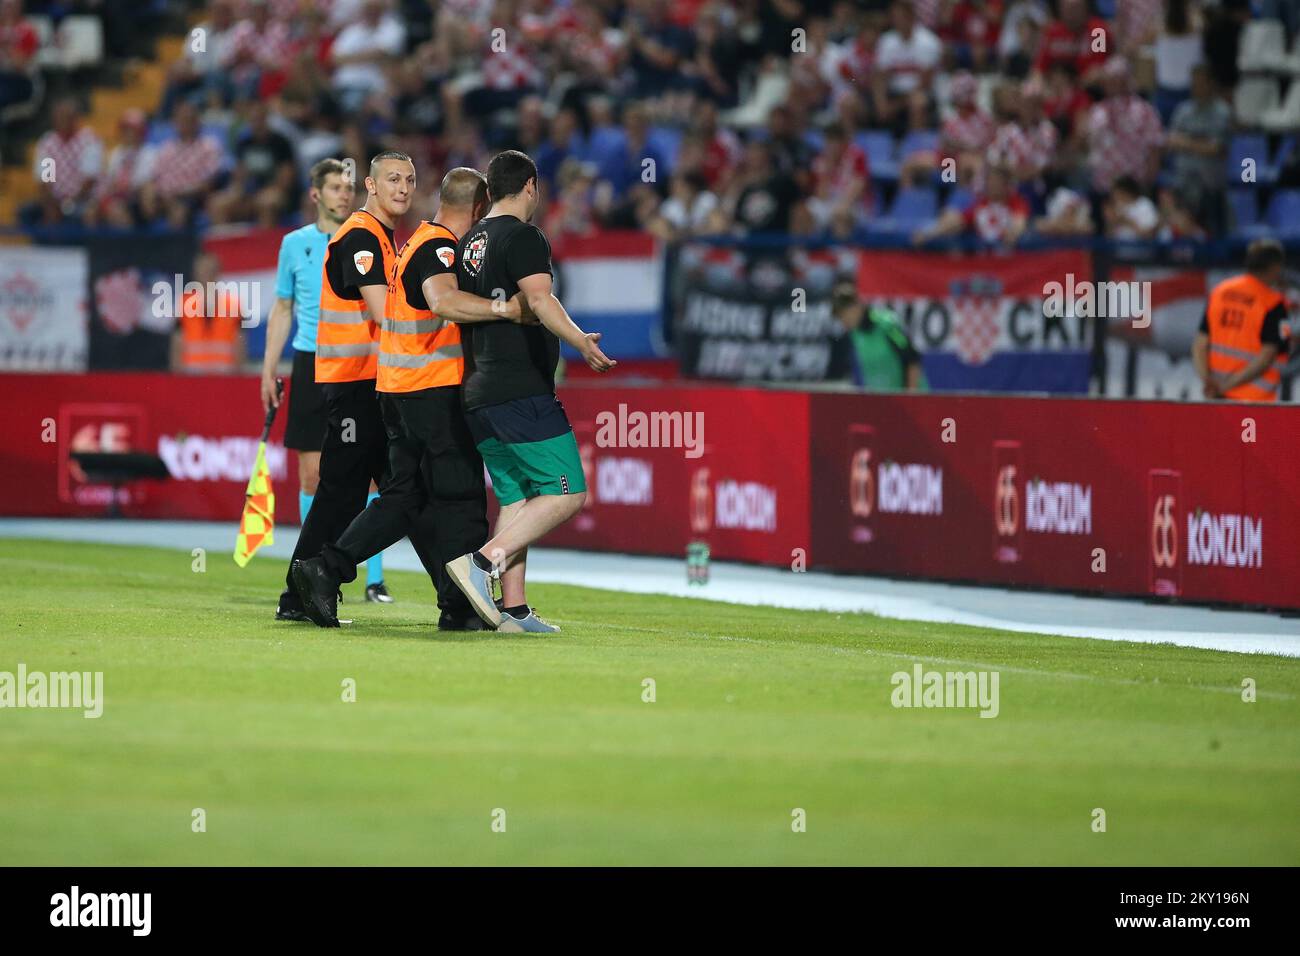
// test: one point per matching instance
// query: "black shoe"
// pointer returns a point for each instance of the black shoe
(290, 608)
(378, 594)
(453, 622)
(318, 590)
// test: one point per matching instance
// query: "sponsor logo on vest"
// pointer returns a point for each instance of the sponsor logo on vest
(910, 489)
(102, 909)
(745, 504)
(1227, 540)
(626, 429)
(199, 458)
(446, 255)
(75, 690)
(922, 688)
(624, 481)
(1058, 507)
(363, 260)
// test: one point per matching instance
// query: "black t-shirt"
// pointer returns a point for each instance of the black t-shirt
(1270, 333)
(436, 257)
(262, 158)
(346, 257)
(504, 360)
(766, 206)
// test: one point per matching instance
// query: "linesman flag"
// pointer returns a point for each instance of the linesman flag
(258, 520)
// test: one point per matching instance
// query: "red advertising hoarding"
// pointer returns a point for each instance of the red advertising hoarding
(1187, 501)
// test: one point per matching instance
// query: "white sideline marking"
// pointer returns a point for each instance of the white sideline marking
(1032, 612)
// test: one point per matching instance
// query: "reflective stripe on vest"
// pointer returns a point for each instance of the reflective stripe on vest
(416, 349)
(347, 337)
(1235, 318)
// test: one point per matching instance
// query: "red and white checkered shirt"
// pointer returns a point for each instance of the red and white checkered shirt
(514, 69)
(270, 47)
(991, 220)
(75, 160)
(835, 179)
(1027, 151)
(182, 167)
(972, 132)
(1122, 133)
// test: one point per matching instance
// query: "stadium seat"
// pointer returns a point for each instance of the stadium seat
(1254, 97)
(1287, 115)
(1283, 214)
(960, 199)
(1263, 46)
(879, 147)
(913, 208)
(918, 141)
(81, 40)
(1243, 207)
(1253, 146)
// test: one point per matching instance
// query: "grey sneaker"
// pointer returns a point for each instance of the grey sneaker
(477, 586)
(531, 624)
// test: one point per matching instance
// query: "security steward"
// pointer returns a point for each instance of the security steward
(1239, 347)
(435, 479)
(358, 261)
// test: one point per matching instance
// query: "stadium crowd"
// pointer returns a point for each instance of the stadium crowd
(916, 119)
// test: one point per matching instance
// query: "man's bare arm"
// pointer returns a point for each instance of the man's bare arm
(549, 311)
(277, 333)
(446, 301)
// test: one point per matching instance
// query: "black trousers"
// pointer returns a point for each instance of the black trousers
(433, 493)
(355, 454)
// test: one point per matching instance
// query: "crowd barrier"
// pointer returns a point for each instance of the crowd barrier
(1194, 502)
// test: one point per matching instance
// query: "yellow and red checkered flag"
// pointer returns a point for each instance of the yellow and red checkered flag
(258, 520)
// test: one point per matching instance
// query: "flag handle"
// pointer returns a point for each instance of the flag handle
(270, 412)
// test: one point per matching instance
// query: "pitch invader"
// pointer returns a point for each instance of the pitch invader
(518, 424)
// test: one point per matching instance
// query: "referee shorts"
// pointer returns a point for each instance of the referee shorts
(308, 417)
(528, 447)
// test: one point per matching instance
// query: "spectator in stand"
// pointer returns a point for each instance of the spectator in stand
(1178, 50)
(1221, 40)
(207, 54)
(722, 149)
(1014, 43)
(714, 70)
(1068, 215)
(790, 150)
(263, 185)
(763, 199)
(1124, 134)
(184, 173)
(1177, 221)
(562, 141)
(1078, 38)
(1064, 101)
(1129, 214)
(129, 167)
(970, 28)
(840, 201)
(963, 139)
(19, 44)
(690, 209)
(571, 212)
(850, 65)
(997, 217)
(636, 158)
(1198, 141)
(882, 357)
(657, 49)
(1027, 144)
(258, 45)
(907, 57)
(363, 52)
(69, 159)
(1019, 63)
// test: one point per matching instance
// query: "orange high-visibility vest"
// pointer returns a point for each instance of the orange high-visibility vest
(347, 336)
(209, 342)
(416, 349)
(1235, 318)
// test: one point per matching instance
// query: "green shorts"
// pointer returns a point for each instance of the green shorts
(528, 447)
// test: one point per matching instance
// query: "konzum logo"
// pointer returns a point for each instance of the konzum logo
(860, 462)
(1007, 501)
(1164, 508)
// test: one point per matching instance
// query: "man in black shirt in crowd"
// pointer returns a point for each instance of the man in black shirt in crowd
(517, 422)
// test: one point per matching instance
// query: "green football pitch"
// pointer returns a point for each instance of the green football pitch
(226, 737)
